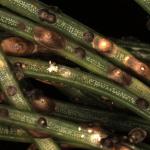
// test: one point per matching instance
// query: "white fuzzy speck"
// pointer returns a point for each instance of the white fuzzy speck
(52, 67)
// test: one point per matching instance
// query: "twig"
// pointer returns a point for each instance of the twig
(73, 29)
(15, 96)
(53, 72)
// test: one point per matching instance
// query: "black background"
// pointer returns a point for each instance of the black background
(113, 18)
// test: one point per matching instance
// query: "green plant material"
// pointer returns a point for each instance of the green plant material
(68, 111)
(111, 120)
(52, 17)
(14, 95)
(23, 48)
(55, 127)
(86, 116)
(90, 61)
(9, 133)
(12, 134)
(53, 72)
(145, 4)
(53, 43)
(46, 143)
(85, 98)
(77, 113)
(81, 97)
(18, 135)
(10, 86)
(51, 40)
(36, 122)
(141, 55)
(138, 49)
(133, 45)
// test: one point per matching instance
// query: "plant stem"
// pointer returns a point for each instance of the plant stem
(68, 111)
(59, 130)
(53, 72)
(48, 16)
(10, 86)
(8, 133)
(69, 50)
(46, 143)
(81, 97)
(78, 113)
(14, 95)
(145, 4)
(77, 96)
(138, 49)
(90, 61)
(14, 134)
(18, 135)
(55, 127)
(133, 45)
(115, 121)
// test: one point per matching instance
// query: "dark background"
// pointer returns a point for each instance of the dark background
(113, 18)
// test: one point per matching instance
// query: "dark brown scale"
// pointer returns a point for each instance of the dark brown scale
(120, 77)
(43, 104)
(17, 46)
(139, 67)
(80, 52)
(88, 36)
(2, 97)
(42, 122)
(11, 90)
(21, 26)
(4, 112)
(47, 16)
(142, 103)
(137, 135)
(48, 38)
(37, 134)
